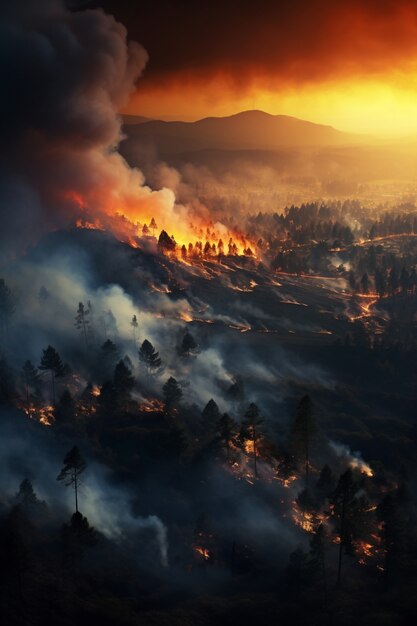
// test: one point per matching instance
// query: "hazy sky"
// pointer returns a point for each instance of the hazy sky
(350, 64)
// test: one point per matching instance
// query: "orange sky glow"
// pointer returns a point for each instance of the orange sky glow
(352, 65)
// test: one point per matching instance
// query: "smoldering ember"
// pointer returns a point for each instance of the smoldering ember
(208, 298)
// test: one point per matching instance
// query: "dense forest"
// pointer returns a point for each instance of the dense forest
(130, 499)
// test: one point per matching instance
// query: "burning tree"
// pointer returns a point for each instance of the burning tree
(74, 466)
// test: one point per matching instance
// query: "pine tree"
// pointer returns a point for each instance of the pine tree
(302, 434)
(149, 357)
(123, 383)
(188, 345)
(31, 380)
(211, 415)
(51, 362)
(134, 324)
(108, 356)
(165, 242)
(172, 393)
(74, 466)
(27, 499)
(153, 226)
(65, 410)
(347, 510)
(82, 322)
(251, 430)
(227, 430)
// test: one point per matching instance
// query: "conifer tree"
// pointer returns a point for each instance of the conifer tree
(227, 430)
(74, 466)
(302, 434)
(172, 393)
(52, 363)
(251, 430)
(149, 357)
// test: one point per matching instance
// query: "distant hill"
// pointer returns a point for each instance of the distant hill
(135, 119)
(249, 130)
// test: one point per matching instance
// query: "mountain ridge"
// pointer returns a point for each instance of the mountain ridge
(246, 130)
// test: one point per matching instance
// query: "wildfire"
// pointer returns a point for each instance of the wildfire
(204, 552)
(186, 316)
(44, 414)
(152, 405)
(363, 467)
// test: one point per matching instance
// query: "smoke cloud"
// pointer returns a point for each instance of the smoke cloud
(64, 76)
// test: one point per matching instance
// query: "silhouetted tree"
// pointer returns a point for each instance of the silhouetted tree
(302, 433)
(149, 356)
(347, 510)
(82, 321)
(398, 535)
(165, 243)
(251, 430)
(134, 324)
(227, 430)
(74, 466)
(28, 501)
(31, 380)
(153, 226)
(65, 409)
(172, 393)
(108, 356)
(211, 415)
(123, 382)
(107, 399)
(52, 363)
(188, 345)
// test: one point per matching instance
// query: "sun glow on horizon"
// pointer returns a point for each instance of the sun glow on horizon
(375, 106)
